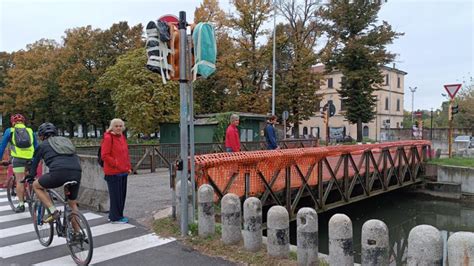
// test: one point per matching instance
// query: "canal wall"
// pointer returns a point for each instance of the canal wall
(93, 191)
(425, 242)
(463, 176)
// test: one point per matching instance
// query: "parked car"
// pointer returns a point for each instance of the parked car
(465, 141)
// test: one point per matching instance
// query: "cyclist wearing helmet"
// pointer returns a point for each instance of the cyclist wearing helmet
(59, 154)
(22, 146)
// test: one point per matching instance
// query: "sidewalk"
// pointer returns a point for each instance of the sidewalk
(147, 194)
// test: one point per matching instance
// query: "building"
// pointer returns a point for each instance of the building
(389, 108)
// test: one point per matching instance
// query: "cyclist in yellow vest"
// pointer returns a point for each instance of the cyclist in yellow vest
(22, 146)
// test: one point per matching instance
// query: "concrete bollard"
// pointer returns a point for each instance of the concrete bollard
(231, 219)
(252, 232)
(461, 249)
(425, 246)
(340, 240)
(278, 232)
(375, 244)
(307, 236)
(206, 215)
(190, 202)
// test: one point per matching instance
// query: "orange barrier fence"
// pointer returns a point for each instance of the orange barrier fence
(252, 173)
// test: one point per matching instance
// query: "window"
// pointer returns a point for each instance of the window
(398, 104)
(305, 131)
(365, 132)
(343, 106)
(398, 125)
(398, 82)
(386, 79)
(330, 83)
(386, 104)
(315, 132)
(246, 134)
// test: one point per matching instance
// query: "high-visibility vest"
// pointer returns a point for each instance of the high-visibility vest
(22, 153)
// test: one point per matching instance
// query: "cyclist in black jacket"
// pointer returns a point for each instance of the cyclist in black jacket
(59, 154)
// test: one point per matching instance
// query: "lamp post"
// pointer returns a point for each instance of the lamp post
(412, 101)
(274, 57)
(431, 125)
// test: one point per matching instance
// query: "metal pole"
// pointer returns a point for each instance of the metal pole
(274, 58)
(431, 125)
(183, 122)
(412, 103)
(191, 144)
(450, 136)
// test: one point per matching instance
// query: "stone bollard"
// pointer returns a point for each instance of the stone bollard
(231, 219)
(207, 218)
(340, 240)
(190, 202)
(425, 246)
(307, 236)
(375, 244)
(278, 232)
(461, 249)
(252, 232)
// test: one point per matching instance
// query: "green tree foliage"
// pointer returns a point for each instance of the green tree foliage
(297, 40)
(465, 117)
(140, 97)
(357, 47)
(6, 62)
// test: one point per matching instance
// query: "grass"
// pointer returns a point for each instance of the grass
(213, 246)
(454, 161)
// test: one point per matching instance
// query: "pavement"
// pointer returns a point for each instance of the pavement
(114, 244)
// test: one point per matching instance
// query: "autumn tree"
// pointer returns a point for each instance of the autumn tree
(6, 62)
(357, 47)
(139, 96)
(465, 117)
(296, 43)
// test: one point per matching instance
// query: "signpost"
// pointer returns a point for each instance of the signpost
(451, 89)
(284, 116)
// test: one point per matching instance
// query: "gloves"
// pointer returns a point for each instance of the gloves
(29, 178)
(5, 163)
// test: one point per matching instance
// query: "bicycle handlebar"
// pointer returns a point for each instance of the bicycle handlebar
(6, 163)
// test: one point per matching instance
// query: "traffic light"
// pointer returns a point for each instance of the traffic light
(454, 109)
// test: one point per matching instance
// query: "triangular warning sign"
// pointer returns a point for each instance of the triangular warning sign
(452, 89)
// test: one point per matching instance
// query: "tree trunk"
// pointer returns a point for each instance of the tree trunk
(84, 131)
(71, 129)
(359, 130)
(95, 131)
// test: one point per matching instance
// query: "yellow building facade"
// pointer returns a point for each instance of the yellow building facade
(389, 108)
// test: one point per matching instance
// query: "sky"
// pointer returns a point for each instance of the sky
(437, 48)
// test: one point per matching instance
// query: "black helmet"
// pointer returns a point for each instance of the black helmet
(47, 129)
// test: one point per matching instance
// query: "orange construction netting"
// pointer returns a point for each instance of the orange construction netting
(228, 170)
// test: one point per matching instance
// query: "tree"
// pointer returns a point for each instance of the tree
(297, 40)
(465, 118)
(248, 65)
(6, 62)
(140, 97)
(357, 47)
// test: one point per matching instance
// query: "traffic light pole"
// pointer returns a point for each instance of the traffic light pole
(183, 85)
(450, 133)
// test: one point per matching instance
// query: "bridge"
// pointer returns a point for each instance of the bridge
(319, 177)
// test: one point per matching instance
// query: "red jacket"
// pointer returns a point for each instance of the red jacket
(114, 152)
(232, 138)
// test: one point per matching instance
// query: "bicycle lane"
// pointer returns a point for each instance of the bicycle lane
(114, 244)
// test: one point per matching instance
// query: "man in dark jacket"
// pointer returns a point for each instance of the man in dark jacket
(270, 134)
(59, 154)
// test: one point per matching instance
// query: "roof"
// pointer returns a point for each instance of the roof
(321, 69)
(241, 114)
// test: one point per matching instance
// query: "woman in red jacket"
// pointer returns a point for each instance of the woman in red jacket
(117, 166)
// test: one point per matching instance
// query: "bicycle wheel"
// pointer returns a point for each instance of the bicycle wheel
(79, 238)
(11, 192)
(44, 231)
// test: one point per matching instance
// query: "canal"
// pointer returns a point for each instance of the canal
(401, 211)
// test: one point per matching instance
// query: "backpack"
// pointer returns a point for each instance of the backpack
(205, 50)
(62, 145)
(21, 137)
(99, 157)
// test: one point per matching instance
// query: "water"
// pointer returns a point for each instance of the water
(401, 211)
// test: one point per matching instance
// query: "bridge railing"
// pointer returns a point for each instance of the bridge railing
(326, 176)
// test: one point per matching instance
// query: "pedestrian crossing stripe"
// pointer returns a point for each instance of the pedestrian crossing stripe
(3, 194)
(34, 245)
(115, 250)
(18, 216)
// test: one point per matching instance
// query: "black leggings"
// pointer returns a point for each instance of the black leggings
(117, 185)
(58, 178)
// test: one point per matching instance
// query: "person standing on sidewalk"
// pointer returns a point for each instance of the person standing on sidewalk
(270, 134)
(117, 167)
(232, 137)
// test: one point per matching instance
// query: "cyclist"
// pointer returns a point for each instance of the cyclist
(59, 154)
(22, 146)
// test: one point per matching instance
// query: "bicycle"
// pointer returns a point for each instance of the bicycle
(73, 226)
(11, 191)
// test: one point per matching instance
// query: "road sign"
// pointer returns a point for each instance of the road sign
(452, 89)
(169, 19)
(285, 115)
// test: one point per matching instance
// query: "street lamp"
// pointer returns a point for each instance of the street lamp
(274, 57)
(412, 101)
